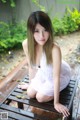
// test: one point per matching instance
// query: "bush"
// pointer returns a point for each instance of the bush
(68, 24)
(58, 26)
(11, 35)
(4, 31)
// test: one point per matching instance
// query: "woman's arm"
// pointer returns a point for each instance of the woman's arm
(31, 71)
(56, 56)
(25, 49)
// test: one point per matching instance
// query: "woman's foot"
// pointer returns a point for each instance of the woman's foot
(23, 86)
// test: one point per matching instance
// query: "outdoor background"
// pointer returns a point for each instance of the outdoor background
(23, 8)
(65, 18)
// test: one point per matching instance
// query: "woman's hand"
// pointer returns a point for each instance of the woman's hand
(62, 109)
(23, 86)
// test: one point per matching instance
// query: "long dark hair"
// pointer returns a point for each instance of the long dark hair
(44, 20)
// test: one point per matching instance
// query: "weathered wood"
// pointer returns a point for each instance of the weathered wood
(11, 80)
(66, 98)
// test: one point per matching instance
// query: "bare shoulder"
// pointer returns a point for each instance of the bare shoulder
(25, 46)
(56, 48)
(56, 54)
(24, 43)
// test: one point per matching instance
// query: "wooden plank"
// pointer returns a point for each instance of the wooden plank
(17, 110)
(16, 113)
(12, 74)
(64, 100)
(18, 100)
(11, 80)
(19, 90)
(67, 98)
(33, 103)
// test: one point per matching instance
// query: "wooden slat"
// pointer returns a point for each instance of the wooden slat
(17, 110)
(16, 113)
(33, 103)
(19, 90)
(18, 100)
(63, 99)
(66, 97)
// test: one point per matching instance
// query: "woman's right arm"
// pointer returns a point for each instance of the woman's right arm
(25, 49)
(31, 71)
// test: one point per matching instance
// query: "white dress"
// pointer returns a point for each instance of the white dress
(43, 82)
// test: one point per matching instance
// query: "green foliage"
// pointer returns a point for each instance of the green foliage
(4, 1)
(70, 20)
(11, 35)
(69, 23)
(12, 2)
(57, 26)
(43, 8)
(36, 2)
(4, 30)
(18, 30)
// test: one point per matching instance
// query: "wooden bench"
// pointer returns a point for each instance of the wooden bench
(20, 96)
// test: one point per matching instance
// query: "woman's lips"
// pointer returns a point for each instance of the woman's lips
(42, 40)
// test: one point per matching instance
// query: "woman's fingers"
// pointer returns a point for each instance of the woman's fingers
(23, 86)
(65, 112)
(62, 109)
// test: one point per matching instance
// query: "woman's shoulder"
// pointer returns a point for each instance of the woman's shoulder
(56, 53)
(24, 43)
(25, 46)
(55, 47)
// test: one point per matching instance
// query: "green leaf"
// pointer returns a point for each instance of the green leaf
(4, 1)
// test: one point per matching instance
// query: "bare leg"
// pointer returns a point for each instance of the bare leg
(31, 92)
(43, 98)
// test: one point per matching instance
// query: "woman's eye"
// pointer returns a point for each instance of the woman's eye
(36, 31)
(45, 30)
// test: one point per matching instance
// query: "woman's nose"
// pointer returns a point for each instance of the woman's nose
(42, 34)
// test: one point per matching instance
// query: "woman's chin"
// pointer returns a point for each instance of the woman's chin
(41, 43)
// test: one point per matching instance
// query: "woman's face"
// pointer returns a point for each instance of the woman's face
(41, 35)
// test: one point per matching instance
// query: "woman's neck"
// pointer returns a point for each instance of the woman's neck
(39, 48)
(39, 51)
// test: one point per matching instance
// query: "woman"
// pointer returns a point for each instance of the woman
(48, 73)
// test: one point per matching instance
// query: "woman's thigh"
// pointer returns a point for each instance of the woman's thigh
(31, 92)
(43, 98)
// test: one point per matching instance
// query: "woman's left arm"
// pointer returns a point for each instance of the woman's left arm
(56, 56)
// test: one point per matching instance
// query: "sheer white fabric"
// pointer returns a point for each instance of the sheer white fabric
(43, 81)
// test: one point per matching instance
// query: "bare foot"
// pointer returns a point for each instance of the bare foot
(23, 86)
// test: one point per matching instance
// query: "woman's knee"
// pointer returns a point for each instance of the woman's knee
(31, 92)
(40, 97)
(43, 98)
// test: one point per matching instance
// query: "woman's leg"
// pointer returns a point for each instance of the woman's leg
(31, 92)
(40, 98)
(43, 98)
